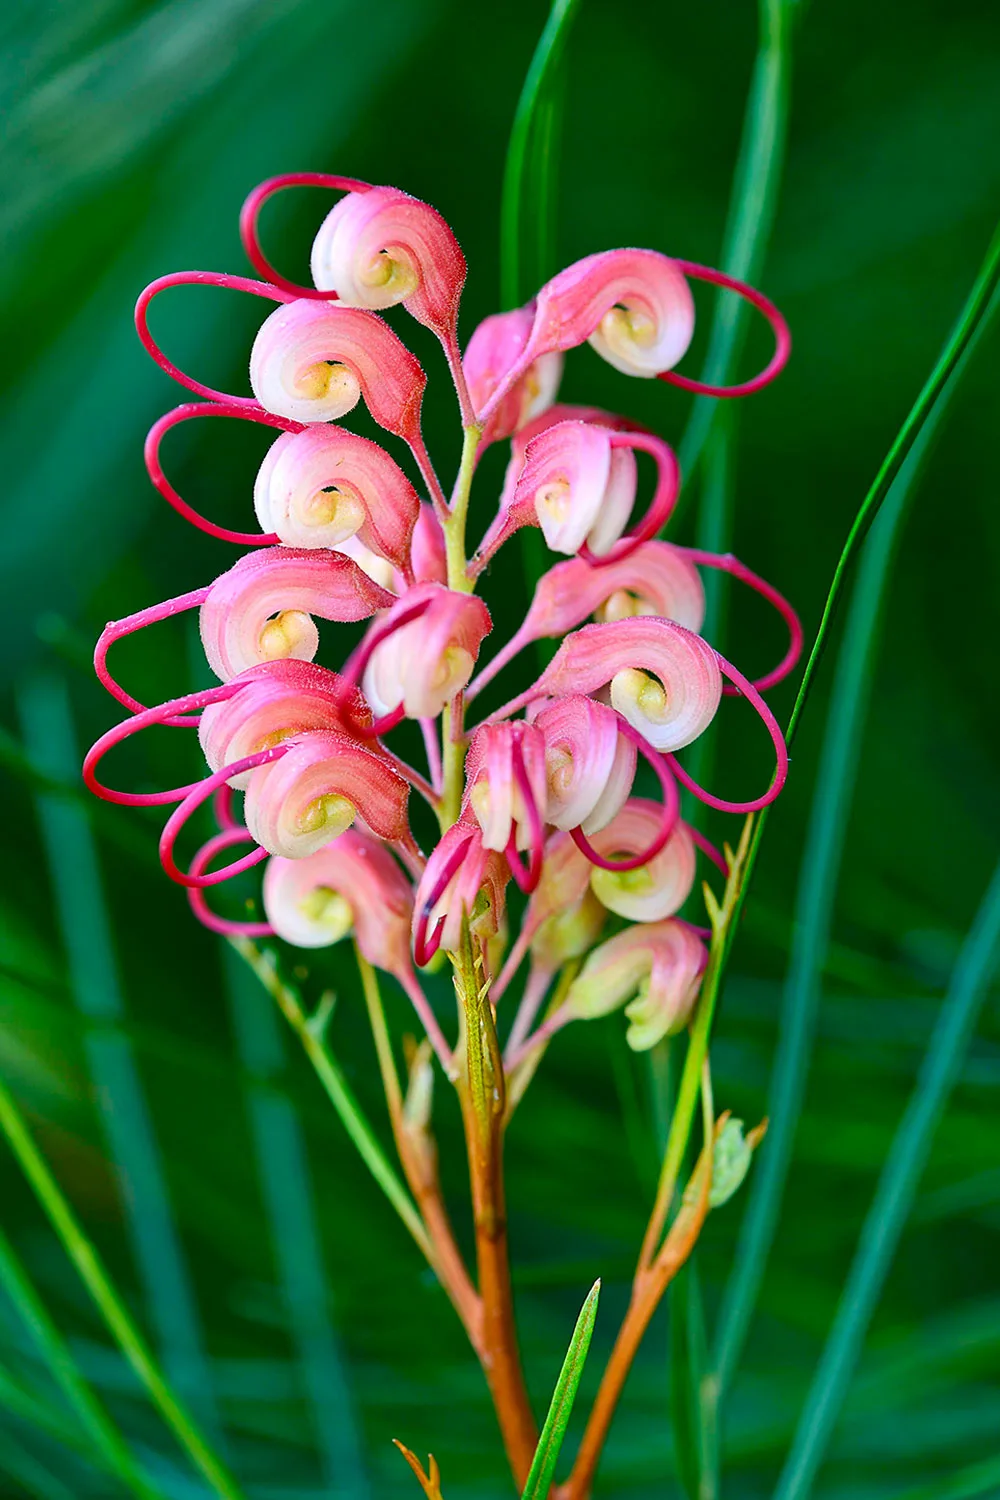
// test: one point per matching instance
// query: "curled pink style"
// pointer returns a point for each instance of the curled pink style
(659, 964)
(352, 884)
(422, 652)
(730, 564)
(505, 777)
(315, 791)
(220, 842)
(161, 714)
(250, 213)
(656, 579)
(381, 247)
(588, 766)
(662, 883)
(494, 349)
(664, 680)
(322, 485)
(782, 336)
(749, 692)
(313, 361)
(262, 609)
(198, 278)
(274, 702)
(185, 413)
(462, 878)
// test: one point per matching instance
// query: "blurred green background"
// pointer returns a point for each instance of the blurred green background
(273, 1279)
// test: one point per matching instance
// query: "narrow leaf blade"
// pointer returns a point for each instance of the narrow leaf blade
(543, 1465)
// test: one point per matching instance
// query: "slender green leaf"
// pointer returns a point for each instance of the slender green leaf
(890, 1208)
(820, 868)
(748, 229)
(292, 1213)
(689, 1412)
(110, 1446)
(108, 1301)
(332, 1078)
(530, 154)
(975, 1479)
(543, 1465)
(86, 928)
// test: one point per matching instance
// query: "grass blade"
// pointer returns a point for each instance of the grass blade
(973, 1480)
(817, 888)
(107, 1300)
(86, 928)
(530, 156)
(690, 1416)
(751, 215)
(288, 1196)
(335, 1084)
(890, 1208)
(107, 1440)
(543, 1465)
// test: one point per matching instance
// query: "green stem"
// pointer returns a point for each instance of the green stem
(458, 514)
(110, 1305)
(691, 1077)
(337, 1089)
(102, 1431)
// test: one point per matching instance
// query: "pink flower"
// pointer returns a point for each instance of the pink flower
(381, 247)
(321, 486)
(494, 350)
(312, 362)
(463, 880)
(425, 651)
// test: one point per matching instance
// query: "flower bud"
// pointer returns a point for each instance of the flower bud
(312, 361)
(262, 608)
(654, 971)
(504, 762)
(422, 664)
(381, 247)
(589, 765)
(319, 487)
(462, 878)
(655, 890)
(494, 349)
(353, 884)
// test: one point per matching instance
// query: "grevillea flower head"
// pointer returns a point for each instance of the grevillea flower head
(321, 486)
(654, 971)
(463, 880)
(425, 651)
(381, 247)
(263, 607)
(494, 350)
(352, 885)
(312, 362)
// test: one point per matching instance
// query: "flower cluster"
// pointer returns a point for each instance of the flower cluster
(539, 792)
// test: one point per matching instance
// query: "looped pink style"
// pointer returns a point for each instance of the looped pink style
(199, 278)
(782, 336)
(300, 767)
(185, 413)
(250, 213)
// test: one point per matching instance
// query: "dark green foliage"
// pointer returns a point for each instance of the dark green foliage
(134, 132)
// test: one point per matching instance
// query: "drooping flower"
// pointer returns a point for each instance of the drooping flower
(654, 971)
